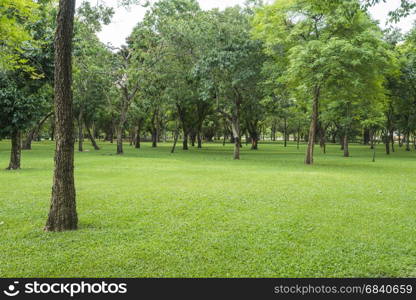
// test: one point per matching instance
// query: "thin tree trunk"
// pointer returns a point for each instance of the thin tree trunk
(137, 141)
(392, 140)
(285, 133)
(400, 139)
(16, 151)
(185, 141)
(120, 140)
(408, 142)
(63, 215)
(312, 129)
(236, 133)
(346, 146)
(27, 145)
(387, 143)
(175, 139)
(80, 133)
(91, 137)
(199, 140)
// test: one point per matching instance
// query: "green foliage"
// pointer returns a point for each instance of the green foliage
(19, 109)
(15, 16)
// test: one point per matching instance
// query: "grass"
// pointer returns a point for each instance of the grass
(201, 214)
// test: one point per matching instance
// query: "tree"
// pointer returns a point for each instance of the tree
(20, 106)
(93, 64)
(63, 215)
(334, 52)
(231, 71)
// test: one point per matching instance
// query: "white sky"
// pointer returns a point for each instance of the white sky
(124, 20)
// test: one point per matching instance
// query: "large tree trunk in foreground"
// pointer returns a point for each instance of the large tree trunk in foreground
(63, 214)
(16, 151)
(312, 129)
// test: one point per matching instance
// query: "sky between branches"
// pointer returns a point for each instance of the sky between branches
(124, 20)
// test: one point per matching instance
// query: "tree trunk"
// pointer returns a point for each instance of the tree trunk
(80, 133)
(312, 129)
(175, 139)
(91, 137)
(16, 151)
(52, 132)
(120, 140)
(154, 122)
(346, 146)
(387, 142)
(236, 134)
(185, 141)
(199, 140)
(193, 138)
(254, 144)
(154, 137)
(112, 134)
(285, 133)
(408, 142)
(366, 139)
(137, 141)
(63, 214)
(400, 139)
(392, 140)
(27, 144)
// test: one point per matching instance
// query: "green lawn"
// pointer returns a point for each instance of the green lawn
(201, 214)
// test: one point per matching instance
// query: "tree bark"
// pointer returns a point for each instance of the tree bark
(312, 129)
(16, 151)
(63, 214)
